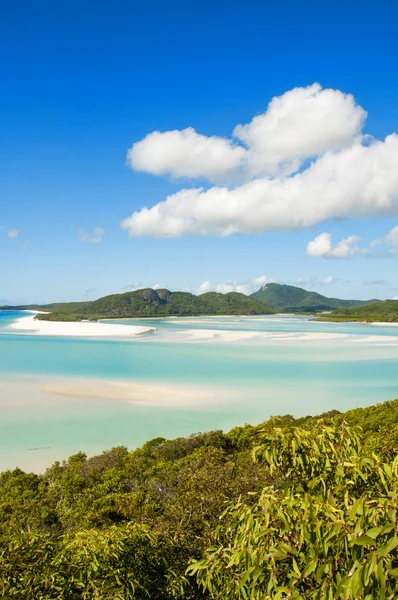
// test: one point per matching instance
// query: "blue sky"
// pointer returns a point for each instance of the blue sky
(82, 82)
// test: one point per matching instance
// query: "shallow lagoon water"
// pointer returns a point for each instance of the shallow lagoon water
(252, 380)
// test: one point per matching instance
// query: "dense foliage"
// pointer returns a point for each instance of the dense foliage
(386, 312)
(148, 302)
(294, 299)
(292, 508)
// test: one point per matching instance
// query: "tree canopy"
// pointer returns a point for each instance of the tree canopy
(290, 508)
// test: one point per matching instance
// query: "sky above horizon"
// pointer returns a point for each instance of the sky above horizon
(197, 146)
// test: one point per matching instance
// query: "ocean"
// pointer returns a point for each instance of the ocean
(295, 366)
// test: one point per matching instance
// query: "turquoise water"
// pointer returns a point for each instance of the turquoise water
(261, 378)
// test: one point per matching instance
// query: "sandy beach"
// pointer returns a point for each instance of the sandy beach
(30, 325)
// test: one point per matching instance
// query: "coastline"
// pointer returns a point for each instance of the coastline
(31, 326)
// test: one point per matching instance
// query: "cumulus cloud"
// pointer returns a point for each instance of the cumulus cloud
(302, 123)
(244, 287)
(348, 176)
(322, 247)
(186, 153)
(95, 237)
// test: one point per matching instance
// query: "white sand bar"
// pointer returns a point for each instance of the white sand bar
(76, 329)
(166, 394)
(220, 335)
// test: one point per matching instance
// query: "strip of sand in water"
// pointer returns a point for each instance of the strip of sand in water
(76, 329)
(165, 394)
(206, 335)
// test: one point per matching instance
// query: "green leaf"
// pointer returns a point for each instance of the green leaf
(311, 566)
(388, 547)
(363, 540)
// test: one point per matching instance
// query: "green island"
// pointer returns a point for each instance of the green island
(292, 508)
(154, 303)
(290, 298)
(380, 312)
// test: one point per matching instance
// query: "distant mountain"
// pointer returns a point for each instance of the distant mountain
(386, 311)
(148, 302)
(295, 299)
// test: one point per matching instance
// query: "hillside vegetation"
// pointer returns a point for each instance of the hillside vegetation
(295, 299)
(149, 302)
(386, 311)
(291, 508)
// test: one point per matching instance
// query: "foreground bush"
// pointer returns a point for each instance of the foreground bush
(330, 531)
(301, 508)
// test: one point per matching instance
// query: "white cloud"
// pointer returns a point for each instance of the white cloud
(392, 237)
(185, 153)
(10, 233)
(302, 123)
(322, 247)
(273, 184)
(92, 238)
(390, 240)
(328, 280)
(245, 287)
(358, 181)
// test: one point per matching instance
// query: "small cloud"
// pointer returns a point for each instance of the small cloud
(25, 245)
(10, 233)
(322, 247)
(328, 280)
(304, 280)
(390, 240)
(132, 286)
(92, 238)
(244, 287)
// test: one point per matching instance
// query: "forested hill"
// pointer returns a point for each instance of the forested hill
(386, 311)
(306, 506)
(148, 302)
(295, 299)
